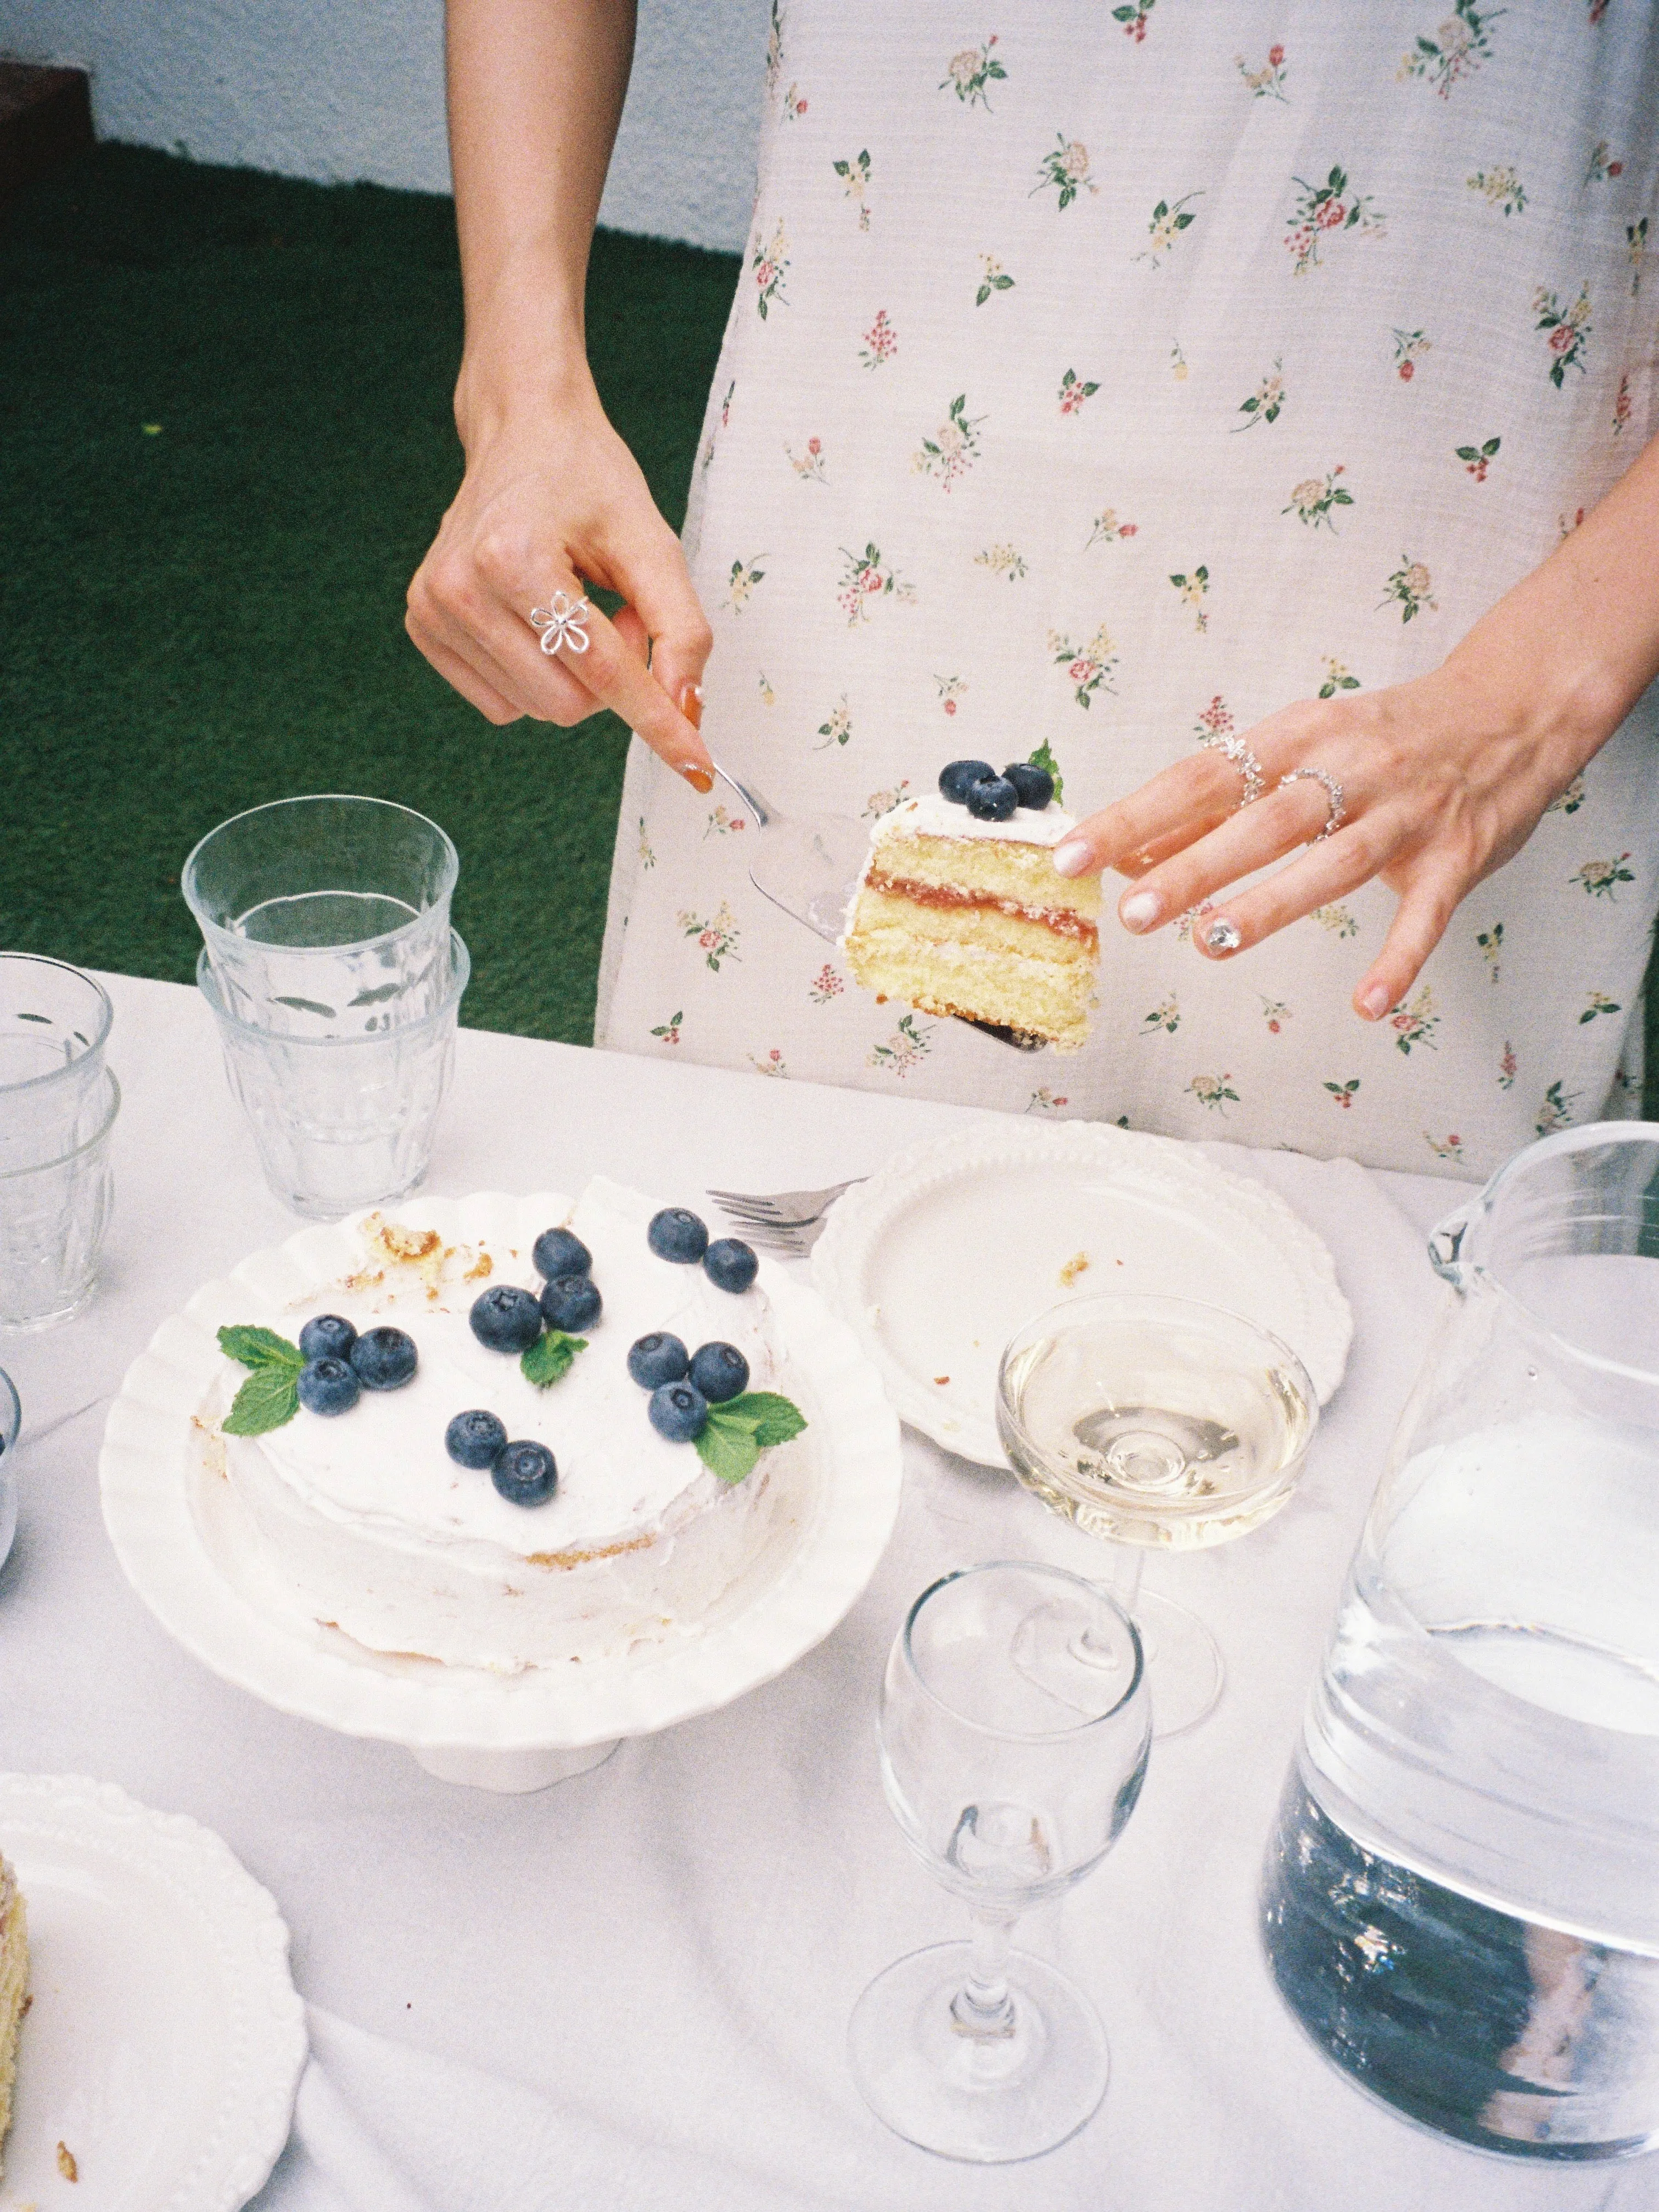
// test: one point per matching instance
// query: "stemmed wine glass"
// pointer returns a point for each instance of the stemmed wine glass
(1156, 1421)
(1015, 1724)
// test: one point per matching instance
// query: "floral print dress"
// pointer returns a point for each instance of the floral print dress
(1101, 379)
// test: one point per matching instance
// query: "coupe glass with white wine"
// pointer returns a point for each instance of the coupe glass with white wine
(1015, 1725)
(1157, 1423)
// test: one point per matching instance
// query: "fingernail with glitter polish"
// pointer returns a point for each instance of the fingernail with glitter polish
(1222, 936)
(1374, 1003)
(698, 778)
(691, 704)
(1140, 910)
(1071, 858)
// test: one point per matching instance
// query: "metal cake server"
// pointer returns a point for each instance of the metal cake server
(810, 867)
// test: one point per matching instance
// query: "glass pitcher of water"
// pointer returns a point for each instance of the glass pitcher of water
(1461, 1902)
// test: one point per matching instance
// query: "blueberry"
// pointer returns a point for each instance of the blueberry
(676, 1234)
(558, 1253)
(328, 1386)
(730, 1264)
(506, 1318)
(384, 1358)
(679, 1411)
(1035, 785)
(992, 798)
(719, 1371)
(571, 1302)
(526, 1474)
(656, 1359)
(954, 781)
(327, 1337)
(477, 1439)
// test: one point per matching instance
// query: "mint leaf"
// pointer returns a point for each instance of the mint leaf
(550, 1358)
(737, 1432)
(260, 1347)
(1043, 758)
(265, 1400)
(726, 1448)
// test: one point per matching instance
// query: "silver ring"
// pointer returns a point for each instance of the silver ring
(561, 623)
(1338, 808)
(1243, 760)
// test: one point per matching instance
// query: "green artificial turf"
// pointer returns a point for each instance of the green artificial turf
(200, 618)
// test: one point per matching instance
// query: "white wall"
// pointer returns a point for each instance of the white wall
(354, 89)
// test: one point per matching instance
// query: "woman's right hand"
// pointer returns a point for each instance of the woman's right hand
(551, 500)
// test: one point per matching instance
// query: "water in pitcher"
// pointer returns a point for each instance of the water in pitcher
(1460, 1904)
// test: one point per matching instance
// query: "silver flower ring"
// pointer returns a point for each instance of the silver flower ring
(561, 624)
(1337, 808)
(1243, 759)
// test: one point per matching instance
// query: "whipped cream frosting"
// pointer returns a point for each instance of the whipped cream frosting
(378, 1531)
(383, 1465)
(933, 815)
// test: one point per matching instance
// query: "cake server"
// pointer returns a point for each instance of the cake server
(809, 866)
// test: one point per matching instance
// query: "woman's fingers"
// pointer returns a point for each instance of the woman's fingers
(1178, 804)
(1324, 871)
(1247, 840)
(1426, 905)
(651, 570)
(463, 677)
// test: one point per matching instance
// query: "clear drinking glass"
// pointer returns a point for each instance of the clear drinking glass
(1015, 1724)
(54, 1024)
(11, 1419)
(54, 1215)
(326, 916)
(341, 1121)
(1156, 1422)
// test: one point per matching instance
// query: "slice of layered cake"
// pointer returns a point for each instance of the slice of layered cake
(13, 1985)
(960, 909)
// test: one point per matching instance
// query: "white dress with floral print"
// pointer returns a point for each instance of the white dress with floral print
(1106, 378)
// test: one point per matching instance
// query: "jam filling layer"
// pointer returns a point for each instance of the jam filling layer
(1062, 924)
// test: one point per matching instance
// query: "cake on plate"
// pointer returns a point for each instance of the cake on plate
(536, 1442)
(961, 911)
(13, 1985)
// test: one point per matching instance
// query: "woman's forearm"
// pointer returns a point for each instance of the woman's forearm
(536, 91)
(1574, 645)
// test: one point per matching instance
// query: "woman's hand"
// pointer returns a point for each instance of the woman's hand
(1442, 779)
(552, 499)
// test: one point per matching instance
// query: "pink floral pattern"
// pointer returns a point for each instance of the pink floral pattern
(968, 74)
(1267, 81)
(1410, 587)
(1073, 391)
(954, 447)
(1568, 330)
(1088, 667)
(1065, 171)
(865, 580)
(880, 342)
(1325, 211)
(1462, 42)
(769, 265)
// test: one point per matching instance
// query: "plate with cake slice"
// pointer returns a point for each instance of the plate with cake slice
(161, 2043)
(943, 1254)
(501, 1478)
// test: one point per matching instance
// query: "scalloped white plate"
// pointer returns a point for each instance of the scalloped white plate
(177, 1532)
(165, 2041)
(946, 1251)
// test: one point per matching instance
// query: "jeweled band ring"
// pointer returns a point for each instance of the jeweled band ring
(1243, 759)
(1338, 812)
(561, 624)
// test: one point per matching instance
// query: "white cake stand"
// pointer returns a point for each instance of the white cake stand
(185, 1545)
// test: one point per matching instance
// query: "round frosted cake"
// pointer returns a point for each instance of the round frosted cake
(375, 1530)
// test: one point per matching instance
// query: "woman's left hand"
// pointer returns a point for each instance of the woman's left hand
(1442, 779)
(1441, 782)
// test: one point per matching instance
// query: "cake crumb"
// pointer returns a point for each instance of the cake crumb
(941, 1380)
(483, 1266)
(66, 2165)
(1076, 1265)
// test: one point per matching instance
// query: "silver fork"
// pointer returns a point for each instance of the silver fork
(787, 1221)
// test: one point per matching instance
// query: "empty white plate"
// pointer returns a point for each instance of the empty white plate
(943, 1254)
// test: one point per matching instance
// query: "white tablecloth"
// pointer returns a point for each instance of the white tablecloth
(629, 1993)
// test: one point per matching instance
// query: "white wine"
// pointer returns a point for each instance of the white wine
(1178, 1429)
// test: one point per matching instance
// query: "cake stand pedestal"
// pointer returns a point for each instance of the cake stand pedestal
(513, 1772)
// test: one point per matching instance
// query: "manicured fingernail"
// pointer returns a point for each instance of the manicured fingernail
(1071, 858)
(1374, 1003)
(1140, 910)
(698, 778)
(691, 704)
(1222, 936)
